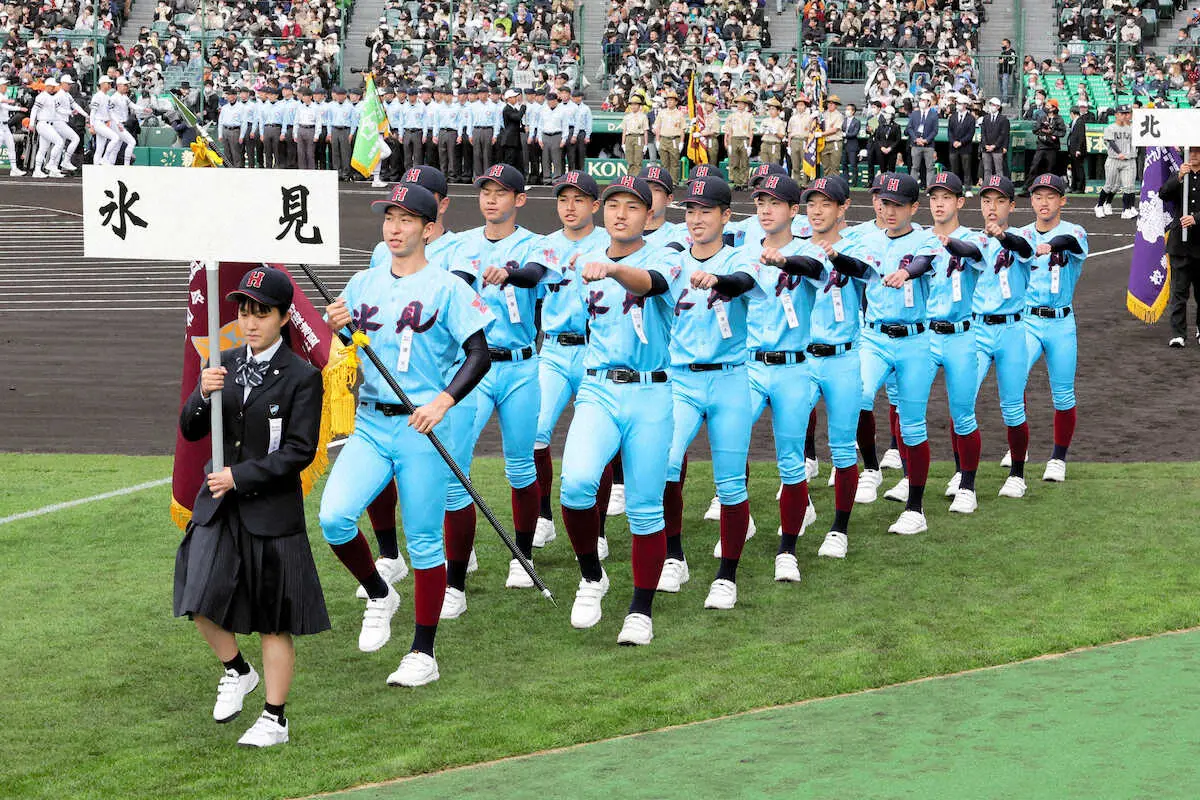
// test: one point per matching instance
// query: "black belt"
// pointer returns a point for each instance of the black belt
(341, 127)
(897, 331)
(570, 339)
(943, 327)
(826, 350)
(547, 133)
(779, 357)
(414, 130)
(710, 367)
(483, 128)
(447, 130)
(1046, 312)
(306, 127)
(507, 355)
(623, 375)
(273, 125)
(233, 127)
(387, 409)
(998, 319)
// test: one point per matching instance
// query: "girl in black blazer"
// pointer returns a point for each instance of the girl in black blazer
(245, 565)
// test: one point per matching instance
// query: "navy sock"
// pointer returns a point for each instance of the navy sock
(967, 481)
(841, 521)
(237, 664)
(728, 569)
(277, 710)
(1060, 452)
(916, 497)
(675, 547)
(525, 543)
(589, 566)
(423, 639)
(456, 574)
(642, 601)
(787, 543)
(389, 547)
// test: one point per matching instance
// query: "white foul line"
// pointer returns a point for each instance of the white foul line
(37, 512)
(1113, 250)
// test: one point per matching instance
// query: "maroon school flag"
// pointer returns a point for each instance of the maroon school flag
(1150, 269)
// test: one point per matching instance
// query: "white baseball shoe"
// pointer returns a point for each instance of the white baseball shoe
(66, 166)
(55, 173)
(1108, 209)
(392, 570)
(1007, 460)
(832, 478)
(602, 547)
(965, 502)
(714, 510)
(722, 595)
(1129, 213)
(377, 621)
(812, 468)
(16, 173)
(265, 732)
(834, 546)
(544, 534)
(674, 575)
(37, 173)
(416, 669)
(616, 500)
(868, 486)
(1056, 471)
(454, 605)
(378, 183)
(899, 492)
(1176, 342)
(472, 563)
(810, 516)
(787, 569)
(910, 522)
(231, 694)
(751, 529)
(518, 578)
(585, 613)
(637, 630)
(891, 459)
(1099, 211)
(953, 484)
(1013, 487)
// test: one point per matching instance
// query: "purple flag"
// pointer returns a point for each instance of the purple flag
(1150, 270)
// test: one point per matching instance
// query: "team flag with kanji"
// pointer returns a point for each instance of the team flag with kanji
(1150, 270)
(697, 153)
(369, 147)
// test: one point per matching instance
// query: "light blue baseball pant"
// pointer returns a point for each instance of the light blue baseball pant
(462, 447)
(1057, 339)
(380, 448)
(1004, 345)
(722, 399)
(511, 388)
(787, 388)
(560, 372)
(955, 354)
(908, 358)
(636, 420)
(893, 391)
(839, 380)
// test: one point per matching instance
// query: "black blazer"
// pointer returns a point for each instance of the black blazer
(887, 135)
(960, 131)
(268, 497)
(1077, 137)
(996, 134)
(1172, 189)
(511, 118)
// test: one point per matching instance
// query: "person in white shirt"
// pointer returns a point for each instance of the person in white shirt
(50, 144)
(6, 137)
(120, 107)
(100, 117)
(64, 107)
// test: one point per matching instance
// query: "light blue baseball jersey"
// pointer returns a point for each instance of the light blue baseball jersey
(951, 290)
(513, 307)
(837, 307)
(437, 252)
(886, 255)
(668, 233)
(750, 230)
(1003, 282)
(709, 327)
(1053, 276)
(779, 320)
(563, 310)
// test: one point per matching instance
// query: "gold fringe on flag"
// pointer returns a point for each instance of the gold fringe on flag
(1151, 313)
(337, 408)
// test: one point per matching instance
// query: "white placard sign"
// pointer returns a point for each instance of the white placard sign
(168, 213)
(1166, 127)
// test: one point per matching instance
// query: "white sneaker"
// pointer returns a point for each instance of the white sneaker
(1099, 211)
(899, 492)
(16, 173)
(616, 500)
(544, 534)
(891, 459)
(910, 522)
(1108, 209)
(714, 510)
(231, 693)
(454, 604)
(787, 569)
(674, 575)
(265, 732)
(377, 621)
(953, 484)
(1176, 342)
(37, 173)
(1056, 471)
(812, 468)
(1129, 213)
(721, 595)
(638, 629)
(392, 570)
(416, 669)
(518, 578)
(751, 529)
(602, 547)
(54, 173)
(1007, 460)
(585, 613)
(472, 563)
(1013, 487)
(378, 184)
(66, 166)
(965, 502)
(834, 545)
(868, 486)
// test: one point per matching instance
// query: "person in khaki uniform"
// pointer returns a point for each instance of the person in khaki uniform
(634, 126)
(834, 133)
(710, 134)
(669, 127)
(798, 128)
(739, 130)
(774, 131)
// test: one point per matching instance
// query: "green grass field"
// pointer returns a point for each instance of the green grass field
(107, 696)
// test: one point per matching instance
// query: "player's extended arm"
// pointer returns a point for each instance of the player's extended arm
(525, 277)
(963, 249)
(919, 266)
(1017, 244)
(474, 367)
(1065, 242)
(735, 284)
(640, 282)
(849, 265)
(804, 266)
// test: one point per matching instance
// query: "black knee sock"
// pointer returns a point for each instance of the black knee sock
(237, 664)
(968, 480)
(642, 601)
(787, 543)
(841, 521)
(1060, 452)
(277, 710)
(916, 496)
(1017, 470)
(423, 638)
(675, 547)
(388, 546)
(589, 566)
(456, 574)
(1128, 201)
(728, 569)
(525, 543)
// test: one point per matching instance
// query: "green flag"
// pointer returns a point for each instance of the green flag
(369, 146)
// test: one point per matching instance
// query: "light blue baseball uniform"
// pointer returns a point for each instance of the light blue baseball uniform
(952, 284)
(669, 233)
(1000, 297)
(1052, 281)
(750, 230)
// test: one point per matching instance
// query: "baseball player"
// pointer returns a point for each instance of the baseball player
(624, 404)
(100, 119)
(419, 319)
(712, 284)
(120, 107)
(6, 137)
(64, 107)
(564, 323)
(999, 335)
(659, 231)
(1120, 167)
(503, 259)
(1059, 250)
(50, 143)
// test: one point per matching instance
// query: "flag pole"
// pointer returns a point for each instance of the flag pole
(212, 272)
(1183, 232)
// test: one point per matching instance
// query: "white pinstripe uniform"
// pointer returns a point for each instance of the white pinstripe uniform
(50, 144)
(101, 120)
(6, 137)
(64, 106)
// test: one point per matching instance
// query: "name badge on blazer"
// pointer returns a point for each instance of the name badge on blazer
(276, 430)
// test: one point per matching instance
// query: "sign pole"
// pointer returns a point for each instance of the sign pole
(212, 272)
(1186, 182)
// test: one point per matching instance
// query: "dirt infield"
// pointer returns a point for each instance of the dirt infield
(82, 379)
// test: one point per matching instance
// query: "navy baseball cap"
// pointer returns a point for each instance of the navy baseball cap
(763, 170)
(900, 187)
(877, 184)
(708, 192)
(830, 187)
(267, 285)
(506, 175)
(431, 178)
(948, 181)
(577, 179)
(411, 197)
(841, 181)
(630, 185)
(781, 187)
(1049, 180)
(660, 176)
(708, 171)
(412, 91)
(1001, 184)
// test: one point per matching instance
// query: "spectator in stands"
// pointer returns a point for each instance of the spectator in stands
(1077, 149)
(994, 140)
(960, 131)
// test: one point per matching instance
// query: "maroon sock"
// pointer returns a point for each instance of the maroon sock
(429, 590)
(460, 533)
(968, 450)
(954, 447)
(382, 509)
(603, 493)
(735, 522)
(545, 477)
(356, 555)
(1018, 442)
(673, 508)
(1064, 428)
(525, 507)
(845, 486)
(793, 502)
(582, 528)
(918, 464)
(649, 552)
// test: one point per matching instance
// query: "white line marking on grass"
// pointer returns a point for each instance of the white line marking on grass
(50, 509)
(1113, 250)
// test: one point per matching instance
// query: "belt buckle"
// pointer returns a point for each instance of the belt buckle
(776, 358)
(622, 376)
(895, 331)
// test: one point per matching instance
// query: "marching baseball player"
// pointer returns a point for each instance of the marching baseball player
(419, 318)
(1120, 167)
(624, 405)
(659, 231)
(50, 143)
(6, 137)
(100, 120)
(64, 107)
(119, 109)
(564, 323)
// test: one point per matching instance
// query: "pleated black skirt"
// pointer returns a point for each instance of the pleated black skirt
(246, 583)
